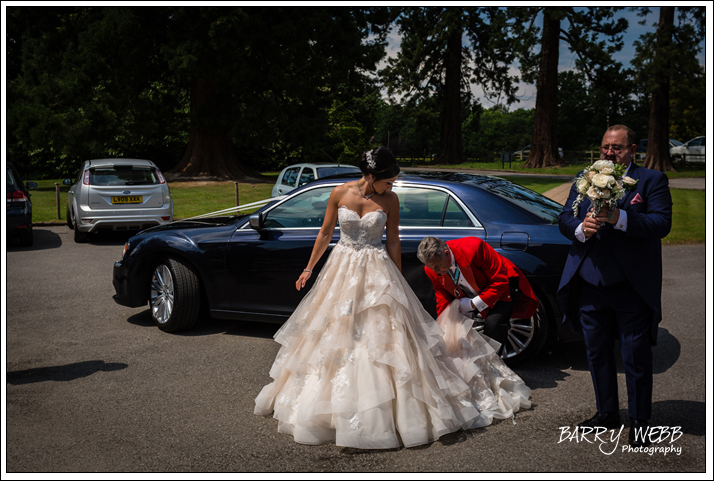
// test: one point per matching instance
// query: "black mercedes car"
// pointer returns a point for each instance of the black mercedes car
(244, 267)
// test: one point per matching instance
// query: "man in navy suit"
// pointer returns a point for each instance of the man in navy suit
(612, 283)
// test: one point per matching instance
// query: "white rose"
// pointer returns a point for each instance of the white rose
(607, 171)
(582, 186)
(593, 193)
(603, 164)
(605, 193)
(602, 180)
(627, 180)
(590, 175)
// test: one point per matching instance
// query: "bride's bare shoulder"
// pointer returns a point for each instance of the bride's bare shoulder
(341, 190)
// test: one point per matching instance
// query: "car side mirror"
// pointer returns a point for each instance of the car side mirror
(257, 221)
(67, 182)
(31, 185)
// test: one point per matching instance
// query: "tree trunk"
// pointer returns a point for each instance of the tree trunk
(657, 156)
(544, 141)
(210, 152)
(451, 150)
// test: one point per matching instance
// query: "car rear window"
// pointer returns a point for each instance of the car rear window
(10, 178)
(325, 171)
(123, 175)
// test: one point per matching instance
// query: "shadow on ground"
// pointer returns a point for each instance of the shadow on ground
(68, 372)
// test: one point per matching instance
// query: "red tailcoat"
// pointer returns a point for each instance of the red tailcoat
(486, 270)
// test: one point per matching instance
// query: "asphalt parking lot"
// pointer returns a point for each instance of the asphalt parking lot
(91, 386)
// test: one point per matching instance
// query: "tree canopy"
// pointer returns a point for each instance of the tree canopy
(231, 91)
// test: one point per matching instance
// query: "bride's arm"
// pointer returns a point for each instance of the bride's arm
(394, 245)
(324, 236)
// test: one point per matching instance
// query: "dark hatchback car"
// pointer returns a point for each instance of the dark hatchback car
(18, 219)
(245, 267)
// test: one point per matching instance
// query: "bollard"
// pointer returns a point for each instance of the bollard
(237, 204)
(57, 199)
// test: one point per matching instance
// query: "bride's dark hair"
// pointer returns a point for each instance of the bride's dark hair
(379, 162)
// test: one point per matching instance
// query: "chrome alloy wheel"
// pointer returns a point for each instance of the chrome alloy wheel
(161, 298)
(520, 335)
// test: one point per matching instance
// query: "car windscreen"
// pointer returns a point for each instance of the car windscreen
(123, 175)
(535, 203)
(325, 171)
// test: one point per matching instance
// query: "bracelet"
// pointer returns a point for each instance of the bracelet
(307, 270)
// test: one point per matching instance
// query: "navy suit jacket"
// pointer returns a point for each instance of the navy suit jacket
(638, 251)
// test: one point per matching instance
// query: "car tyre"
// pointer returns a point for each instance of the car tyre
(26, 238)
(526, 337)
(174, 295)
(79, 236)
(69, 219)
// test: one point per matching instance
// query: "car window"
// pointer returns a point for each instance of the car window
(306, 176)
(10, 178)
(122, 175)
(290, 176)
(696, 142)
(306, 209)
(325, 171)
(455, 216)
(420, 207)
(537, 204)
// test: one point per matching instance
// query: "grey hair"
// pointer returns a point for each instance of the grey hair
(431, 248)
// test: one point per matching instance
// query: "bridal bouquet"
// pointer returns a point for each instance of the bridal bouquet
(604, 184)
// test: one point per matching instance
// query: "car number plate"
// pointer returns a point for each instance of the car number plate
(127, 199)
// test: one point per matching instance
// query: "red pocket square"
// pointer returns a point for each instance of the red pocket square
(636, 200)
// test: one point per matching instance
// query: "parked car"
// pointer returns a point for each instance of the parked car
(298, 175)
(245, 267)
(117, 194)
(692, 151)
(18, 213)
(527, 150)
(642, 146)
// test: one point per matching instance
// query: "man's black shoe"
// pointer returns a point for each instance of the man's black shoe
(606, 420)
(642, 438)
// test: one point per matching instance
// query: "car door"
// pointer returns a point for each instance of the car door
(289, 180)
(307, 175)
(264, 266)
(696, 149)
(429, 211)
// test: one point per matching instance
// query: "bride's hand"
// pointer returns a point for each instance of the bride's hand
(302, 280)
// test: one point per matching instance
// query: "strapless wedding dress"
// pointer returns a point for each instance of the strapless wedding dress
(362, 364)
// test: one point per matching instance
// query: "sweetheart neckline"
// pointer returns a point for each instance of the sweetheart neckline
(365, 215)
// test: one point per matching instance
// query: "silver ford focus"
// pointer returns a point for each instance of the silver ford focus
(117, 194)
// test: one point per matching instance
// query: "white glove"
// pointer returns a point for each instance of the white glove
(465, 305)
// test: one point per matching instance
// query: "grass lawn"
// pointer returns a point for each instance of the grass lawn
(683, 171)
(194, 198)
(688, 217)
(190, 198)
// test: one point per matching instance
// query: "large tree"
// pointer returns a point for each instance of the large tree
(662, 55)
(443, 52)
(581, 29)
(236, 85)
(82, 84)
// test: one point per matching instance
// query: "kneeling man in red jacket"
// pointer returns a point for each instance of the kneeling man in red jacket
(486, 282)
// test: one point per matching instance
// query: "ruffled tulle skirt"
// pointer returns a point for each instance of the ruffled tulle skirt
(362, 364)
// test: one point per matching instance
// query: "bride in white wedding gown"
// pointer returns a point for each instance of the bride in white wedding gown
(362, 364)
